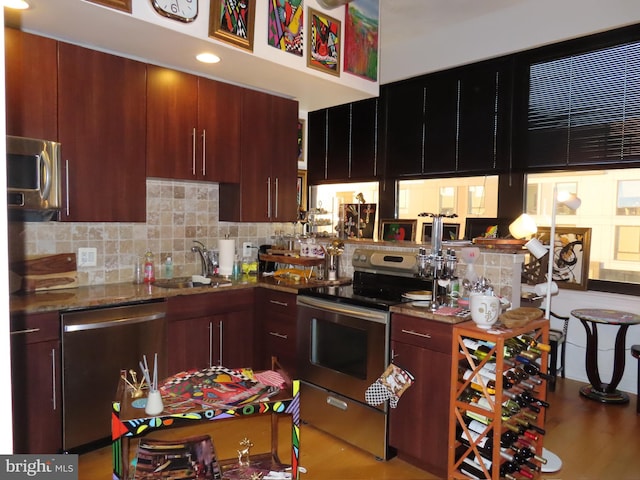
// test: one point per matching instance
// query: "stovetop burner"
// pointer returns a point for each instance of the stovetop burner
(373, 290)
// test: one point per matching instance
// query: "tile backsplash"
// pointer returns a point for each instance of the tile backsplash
(178, 212)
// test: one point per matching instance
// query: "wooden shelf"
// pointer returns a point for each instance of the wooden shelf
(292, 260)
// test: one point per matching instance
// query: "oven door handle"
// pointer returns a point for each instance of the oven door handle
(333, 308)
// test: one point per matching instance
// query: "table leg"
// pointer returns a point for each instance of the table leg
(597, 390)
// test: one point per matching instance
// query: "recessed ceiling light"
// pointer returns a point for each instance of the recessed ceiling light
(208, 58)
(17, 4)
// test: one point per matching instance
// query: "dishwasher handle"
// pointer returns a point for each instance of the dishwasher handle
(79, 327)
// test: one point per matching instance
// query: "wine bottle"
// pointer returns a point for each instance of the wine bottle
(533, 343)
(527, 452)
(529, 425)
(533, 400)
(478, 381)
(534, 369)
(518, 460)
(480, 351)
(521, 401)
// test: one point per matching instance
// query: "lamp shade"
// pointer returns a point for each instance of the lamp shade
(523, 226)
(569, 199)
(536, 248)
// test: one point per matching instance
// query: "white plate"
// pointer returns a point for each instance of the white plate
(421, 304)
(418, 295)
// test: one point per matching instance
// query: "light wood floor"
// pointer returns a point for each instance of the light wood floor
(594, 441)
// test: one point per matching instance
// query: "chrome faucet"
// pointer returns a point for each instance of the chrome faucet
(206, 258)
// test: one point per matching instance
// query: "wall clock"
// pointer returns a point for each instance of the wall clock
(181, 10)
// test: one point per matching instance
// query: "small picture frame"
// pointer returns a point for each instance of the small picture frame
(301, 194)
(392, 230)
(232, 22)
(122, 5)
(301, 134)
(570, 255)
(324, 43)
(450, 231)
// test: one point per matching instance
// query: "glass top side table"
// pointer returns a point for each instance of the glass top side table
(590, 318)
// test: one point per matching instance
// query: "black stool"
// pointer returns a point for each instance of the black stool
(557, 339)
(635, 351)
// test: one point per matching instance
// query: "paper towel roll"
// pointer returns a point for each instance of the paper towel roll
(226, 254)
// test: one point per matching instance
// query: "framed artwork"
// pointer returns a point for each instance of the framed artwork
(571, 249)
(286, 25)
(324, 43)
(398, 230)
(124, 5)
(359, 220)
(232, 21)
(483, 227)
(361, 38)
(450, 231)
(301, 131)
(302, 190)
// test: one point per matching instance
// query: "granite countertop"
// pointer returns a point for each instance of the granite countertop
(119, 293)
(423, 312)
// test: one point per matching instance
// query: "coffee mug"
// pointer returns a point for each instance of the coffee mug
(485, 309)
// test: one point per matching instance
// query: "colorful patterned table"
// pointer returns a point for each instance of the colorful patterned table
(126, 424)
(590, 318)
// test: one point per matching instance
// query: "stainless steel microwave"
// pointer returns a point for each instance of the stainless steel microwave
(34, 179)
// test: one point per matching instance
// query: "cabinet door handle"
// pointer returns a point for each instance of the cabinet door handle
(211, 344)
(26, 331)
(53, 378)
(204, 153)
(276, 302)
(193, 152)
(66, 180)
(334, 402)
(276, 199)
(279, 335)
(220, 331)
(268, 197)
(417, 334)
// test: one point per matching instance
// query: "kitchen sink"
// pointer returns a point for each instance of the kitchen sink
(188, 282)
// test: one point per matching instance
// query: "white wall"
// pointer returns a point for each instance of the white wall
(526, 24)
(568, 300)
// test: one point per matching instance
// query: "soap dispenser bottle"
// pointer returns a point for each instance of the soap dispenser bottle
(149, 268)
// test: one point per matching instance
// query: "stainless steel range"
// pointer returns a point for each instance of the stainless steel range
(343, 346)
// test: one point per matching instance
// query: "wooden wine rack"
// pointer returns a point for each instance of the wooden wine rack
(539, 330)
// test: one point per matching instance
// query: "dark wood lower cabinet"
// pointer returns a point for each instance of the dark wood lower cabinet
(419, 426)
(211, 329)
(276, 318)
(35, 383)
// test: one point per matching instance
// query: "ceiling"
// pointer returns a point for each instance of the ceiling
(80, 22)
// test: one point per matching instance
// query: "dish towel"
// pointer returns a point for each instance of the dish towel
(390, 386)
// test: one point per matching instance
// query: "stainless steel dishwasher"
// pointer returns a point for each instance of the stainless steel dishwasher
(97, 344)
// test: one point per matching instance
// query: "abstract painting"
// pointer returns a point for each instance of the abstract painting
(232, 21)
(361, 38)
(324, 43)
(286, 22)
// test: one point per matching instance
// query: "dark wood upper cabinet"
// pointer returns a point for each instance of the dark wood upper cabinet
(101, 123)
(193, 127)
(316, 146)
(269, 151)
(342, 144)
(31, 82)
(172, 112)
